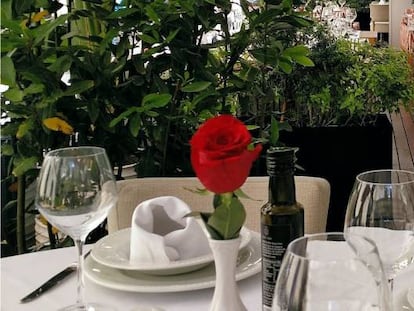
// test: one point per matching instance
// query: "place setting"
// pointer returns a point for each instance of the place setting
(164, 251)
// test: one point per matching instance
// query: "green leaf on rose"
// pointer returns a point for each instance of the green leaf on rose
(241, 194)
(228, 218)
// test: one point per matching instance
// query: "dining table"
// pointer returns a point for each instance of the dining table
(21, 274)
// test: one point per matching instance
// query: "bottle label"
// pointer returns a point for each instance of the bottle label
(275, 240)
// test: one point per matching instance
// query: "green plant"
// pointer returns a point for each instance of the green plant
(140, 83)
(141, 79)
(360, 5)
(350, 84)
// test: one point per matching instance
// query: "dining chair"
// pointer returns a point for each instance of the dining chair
(312, 192)
(379, 14)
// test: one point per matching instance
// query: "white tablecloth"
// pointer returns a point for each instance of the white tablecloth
(21, 274)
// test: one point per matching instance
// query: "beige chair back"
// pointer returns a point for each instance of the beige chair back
(379, 12)
(312, 192)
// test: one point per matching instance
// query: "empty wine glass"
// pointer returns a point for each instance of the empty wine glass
(381, 207)
(331, 272)
(75, 191)
(341, 2)
(350, 16)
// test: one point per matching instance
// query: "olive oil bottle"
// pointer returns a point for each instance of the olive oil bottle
(282, 218)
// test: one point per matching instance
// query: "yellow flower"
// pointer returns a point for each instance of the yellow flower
(35, 18)
(57, 124)
(38, 16)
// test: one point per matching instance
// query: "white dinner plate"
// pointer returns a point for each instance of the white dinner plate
(113, 251)
(249, 264)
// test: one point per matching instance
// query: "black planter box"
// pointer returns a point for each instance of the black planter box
(339, 154)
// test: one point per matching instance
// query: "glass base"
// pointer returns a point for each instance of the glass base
(146, 308)
(88, 307)
(100, 307)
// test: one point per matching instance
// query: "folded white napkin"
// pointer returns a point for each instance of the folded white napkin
(160, 233)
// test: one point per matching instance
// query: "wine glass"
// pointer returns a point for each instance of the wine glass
(331, 272)
(341, 3)
(75, 191)
(350, 16)
(381, 207)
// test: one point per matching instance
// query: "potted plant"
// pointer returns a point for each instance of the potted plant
(338, 110)
(141, 77)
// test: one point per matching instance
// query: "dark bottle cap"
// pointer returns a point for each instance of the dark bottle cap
(281, 160)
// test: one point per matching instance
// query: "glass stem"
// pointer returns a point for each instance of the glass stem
(391, 285)
(80, 288)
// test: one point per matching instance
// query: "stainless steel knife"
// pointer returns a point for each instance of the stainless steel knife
(53, 281)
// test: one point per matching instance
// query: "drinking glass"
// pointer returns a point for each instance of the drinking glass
(350, 16)
(381, 207)
(75, 191)
(331, 272)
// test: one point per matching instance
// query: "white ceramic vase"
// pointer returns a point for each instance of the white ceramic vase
(226, 293)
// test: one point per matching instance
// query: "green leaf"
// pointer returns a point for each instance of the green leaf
(266, 56)
(211, 231)
(6, 10)
(196, 86)
(274, 132)
(7, 150)
(156, 100)
(147, 38)
(8, 73)
(24, 128)
(152, 14)
(122, 116)
(298, 54)
(151, 113)
(79, 87)
(298, 50)
(202, 96)
(172, 35)
(42, 32)
(34, 88)
(241, 194)
(286, 66)
(14, 95)
(62, 64)
(24, 165)
(118, 66)
(93, 110)
(249, 74)
(304, 61)
(135, 124)
(228, 219)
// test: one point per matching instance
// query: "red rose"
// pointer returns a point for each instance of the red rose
(220, 155)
